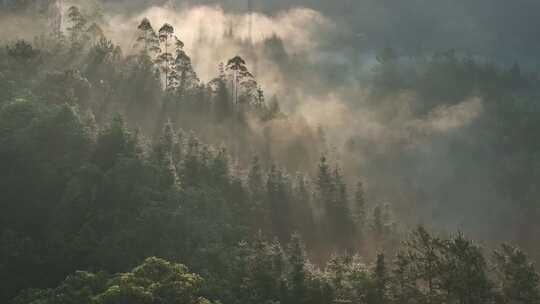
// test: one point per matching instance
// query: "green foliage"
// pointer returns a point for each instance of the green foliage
(154, 281)
(84, 190)
(22, 52)
(333, 197)
(519, 280)
(77, 28)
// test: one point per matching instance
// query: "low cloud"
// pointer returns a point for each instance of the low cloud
(313, 67)
(297, 27)
(447, 118)
(391, 123)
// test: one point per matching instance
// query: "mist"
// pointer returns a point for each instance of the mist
(316, 60)
(237, 122)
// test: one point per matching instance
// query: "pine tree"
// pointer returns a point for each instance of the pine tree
(342, 221)
(463, 272)
(403, 287)
(260, 103)
(336, 268)
(378, 223)
(192, 167)
(22, 52)
(256, 180)
(325, 191)
(77, 27)
(166, 156)
(265, 269)
(424, 251)
(174, 75)
(380, 280)
(274, 109)
(165, 35)
(324, 180)
(186, 79)
(90, 126)
(221, 99)
(148, 38)
(244, 83)
(297, 273)
(303, 209)
(519, 282)
(360, 207)
(114, 142)
(220, 169)
(278, 202)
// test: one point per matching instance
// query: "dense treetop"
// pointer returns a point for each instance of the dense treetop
(119, 167)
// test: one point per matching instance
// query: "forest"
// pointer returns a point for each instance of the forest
(127, 178)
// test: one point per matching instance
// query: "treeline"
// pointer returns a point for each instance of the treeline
(76, 196)
(448, 77)
(148, 84)
(82, 190)
(427, 269)
(500, 143)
